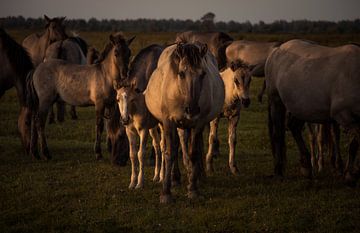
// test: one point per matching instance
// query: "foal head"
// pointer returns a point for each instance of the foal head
(125, 96)
(55, 29)
(190, 72)
(242, 79)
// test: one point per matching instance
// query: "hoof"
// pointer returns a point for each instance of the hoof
(166, 199)
(139, 186)
(209, 169)
(192, 195)
(350, 180)
(235, 171)
(132, 185)
(156, 179)
(99, 157)
(306, 172)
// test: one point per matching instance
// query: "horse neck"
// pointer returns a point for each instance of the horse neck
(44, 43)
(228, 78)
(110, 69)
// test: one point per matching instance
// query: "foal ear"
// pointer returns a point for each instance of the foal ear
(203, 49)
(233, 66)
(128, 42)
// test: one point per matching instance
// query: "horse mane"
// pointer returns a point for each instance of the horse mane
(118, 38)
(138, 60)
(17, 55)
(189, 52)
(81, 42)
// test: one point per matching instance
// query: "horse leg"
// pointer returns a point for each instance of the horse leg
(295, 127)
(24, 127)
(262, 91)
(212, 144)
(141, 152)
(276, 124)
(163, 148)
(175, 171)
(34, 136)
(312, 142)
(51, 115)
(99, 109)
(169, 133)
(156, 145)
(73, 113)
(350, 177)
(321, 141)
(60, 105)
(183, 137)
(40, 125)
(195, 154)
(233, 121)
(131, 134)
(335, 150)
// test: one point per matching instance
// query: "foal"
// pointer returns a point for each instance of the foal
(138, 121)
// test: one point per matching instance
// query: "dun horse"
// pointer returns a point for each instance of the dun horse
(80, 85)
(315, 84)
(138, 121)
(236, 78)
(15, 65)
(37, 44)
(184, 91)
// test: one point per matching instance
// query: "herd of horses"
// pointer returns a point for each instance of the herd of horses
(173, 92)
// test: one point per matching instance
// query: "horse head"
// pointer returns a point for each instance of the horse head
(242, 79)
(122, 53)
(125, 95)
(55, 28)
(190, 72)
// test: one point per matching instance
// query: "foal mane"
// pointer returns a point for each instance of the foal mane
(118, 38)
(17, 55)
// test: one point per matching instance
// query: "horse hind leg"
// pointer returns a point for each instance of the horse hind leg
(99, 129)
(312, 143)
(52, 115)
(334, 148)
(351, 176)
(73, 113)
(175, 170)
(156, 145)
(40, 125)
(60, 105)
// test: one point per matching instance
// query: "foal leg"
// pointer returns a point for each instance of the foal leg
(99, 109)
(142, 149)
(295, 127)
(132, 134)
(156, 145)
(233, 121)
(212, 144)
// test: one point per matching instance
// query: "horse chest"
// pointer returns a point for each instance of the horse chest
(232, 110)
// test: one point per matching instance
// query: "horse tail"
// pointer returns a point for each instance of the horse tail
(32, 99)
(221, 56)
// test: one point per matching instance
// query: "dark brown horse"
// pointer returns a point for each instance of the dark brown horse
(80, 85)
(216, 42)
(15, 65)
(36, 44)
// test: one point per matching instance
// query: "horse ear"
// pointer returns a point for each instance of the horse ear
(203, 49)
(128, 42)
(112, 39)
(47, 18)
(62, 19)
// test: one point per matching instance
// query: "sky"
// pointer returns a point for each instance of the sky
(225, 10)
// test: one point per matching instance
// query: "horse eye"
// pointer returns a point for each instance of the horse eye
(182, 74)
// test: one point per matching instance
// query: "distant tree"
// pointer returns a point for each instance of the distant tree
(207, 21)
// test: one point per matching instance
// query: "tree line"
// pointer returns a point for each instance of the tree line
(175, 25)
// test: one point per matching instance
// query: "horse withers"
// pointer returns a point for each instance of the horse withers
(185, 91)
(316, 84)
(80, 85)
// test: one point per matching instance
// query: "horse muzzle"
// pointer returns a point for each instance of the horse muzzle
(125, 121)
(245, 102)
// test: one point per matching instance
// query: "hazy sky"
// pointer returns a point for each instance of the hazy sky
(225, 10)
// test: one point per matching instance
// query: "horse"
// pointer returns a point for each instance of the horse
(216, 42)
(73, 50)
(325, 137)
(36, 44)
(138, 122)
(185, 91)
(143, 65)
(79, 85)
(236, 78)
(253, 53)
(15, 65)
(317, 84)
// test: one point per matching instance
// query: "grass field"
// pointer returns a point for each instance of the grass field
(75, 193)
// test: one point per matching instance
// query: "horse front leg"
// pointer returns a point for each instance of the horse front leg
(195, 155)
(169, 132)
(175, 171)
(163, 148)
(99, 109)
(40, 125)
(142, 149)
(233, 121)
(213, 143)
(183, 138)
(295, 127)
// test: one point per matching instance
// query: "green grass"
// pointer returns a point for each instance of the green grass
(75, 193)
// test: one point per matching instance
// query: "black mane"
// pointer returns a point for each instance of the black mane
(139, 60)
